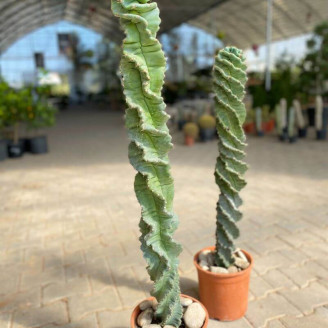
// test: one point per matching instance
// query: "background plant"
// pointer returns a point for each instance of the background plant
(14, 108)
(229, 76)
(143, 66)
(25, 106)
(314, 66)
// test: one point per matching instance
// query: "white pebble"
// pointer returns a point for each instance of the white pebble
(203, 255)
(242, 255)
(185, 301)
(241, 263)
(205, 267)
(152, 326)
(203, 263)
(195, 316)
(145, 317)
(232, 269)
(216, 269)
(210, 259)
(154, 304)
(145, 305)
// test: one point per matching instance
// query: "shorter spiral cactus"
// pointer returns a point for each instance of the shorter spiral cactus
(229, 76)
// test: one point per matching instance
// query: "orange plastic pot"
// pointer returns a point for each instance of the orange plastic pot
(225, 296)
(136, 312)
(189, 141)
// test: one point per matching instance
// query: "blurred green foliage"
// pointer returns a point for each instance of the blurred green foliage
(27, 105)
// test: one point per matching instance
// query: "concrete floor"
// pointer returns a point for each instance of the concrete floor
(69, 236)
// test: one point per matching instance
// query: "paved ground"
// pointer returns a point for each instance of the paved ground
(68, 229)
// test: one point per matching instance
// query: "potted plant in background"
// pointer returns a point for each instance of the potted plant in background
(39, 115)
(249, 125)
(302, 130)
(321, 128)
(207, 127)
(191, 133)
(267, 119)
(291, 125)
(3, 119)
(258, 122)
(313, 78)
(3, 142)
(281, 120)
(15, 105)
(223, 270)
(143, 67)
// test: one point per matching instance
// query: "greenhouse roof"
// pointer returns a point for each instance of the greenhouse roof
(242, 22)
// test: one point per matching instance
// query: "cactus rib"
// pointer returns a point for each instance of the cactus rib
(229, 75)
(143, 67)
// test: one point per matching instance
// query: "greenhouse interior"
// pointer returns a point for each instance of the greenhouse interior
(167, 163)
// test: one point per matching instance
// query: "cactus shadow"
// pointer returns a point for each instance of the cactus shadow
(189, 287)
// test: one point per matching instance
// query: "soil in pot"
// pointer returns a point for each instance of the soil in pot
(195, 314)
(224, 292)
(39, 145)
(15, 150)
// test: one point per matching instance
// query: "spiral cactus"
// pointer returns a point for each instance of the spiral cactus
(143, 67)
(229, 75)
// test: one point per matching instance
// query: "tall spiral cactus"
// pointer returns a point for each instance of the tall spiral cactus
(143, 67)
(229, 75)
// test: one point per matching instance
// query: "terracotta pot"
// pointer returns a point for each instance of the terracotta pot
(136, 311)
(249, 127)
(268, 126)
(189, 141)
(225, 296)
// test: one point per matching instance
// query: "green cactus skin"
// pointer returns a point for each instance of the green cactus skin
(229, 75)
(143, 67)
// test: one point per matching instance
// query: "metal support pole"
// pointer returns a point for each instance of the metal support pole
(268, 45)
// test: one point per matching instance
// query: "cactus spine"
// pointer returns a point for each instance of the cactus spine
(229, 75)
(143, 67)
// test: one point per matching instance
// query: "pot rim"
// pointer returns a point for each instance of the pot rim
(136, 311)
(224, 275)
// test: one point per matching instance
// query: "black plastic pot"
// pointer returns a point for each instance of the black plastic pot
(302, 132)
(207, 134)
(284, 135)
(38, 145)
(181, 124)
(25, 143)
(15, 150)
(311, 116)
(3, 150)
(321, 135)
(292, 139)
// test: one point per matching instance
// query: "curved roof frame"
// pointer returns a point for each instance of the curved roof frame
(243, 22)
(19, 17)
